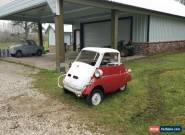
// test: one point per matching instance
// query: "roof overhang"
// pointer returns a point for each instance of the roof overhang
(74, 10)
(27, 10)
(45, 11)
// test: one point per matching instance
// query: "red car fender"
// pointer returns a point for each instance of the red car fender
(95, 82)
(128, 77)
(87, 91)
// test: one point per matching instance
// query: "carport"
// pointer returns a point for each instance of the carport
(59, 12)
(68, 12)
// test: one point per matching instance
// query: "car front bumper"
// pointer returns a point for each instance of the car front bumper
(12, 51)
(77, 92)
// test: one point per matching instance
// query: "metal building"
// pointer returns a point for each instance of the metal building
(103, 22)
(50, 31)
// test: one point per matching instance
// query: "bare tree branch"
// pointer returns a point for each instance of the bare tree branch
(27, 26)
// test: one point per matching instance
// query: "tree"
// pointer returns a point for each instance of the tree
(181, 1)
(27, 26)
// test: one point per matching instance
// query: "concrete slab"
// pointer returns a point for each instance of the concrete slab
(47, 61)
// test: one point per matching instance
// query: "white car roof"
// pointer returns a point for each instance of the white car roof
(101, 50)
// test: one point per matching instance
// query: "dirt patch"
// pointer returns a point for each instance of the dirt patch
(23, 110)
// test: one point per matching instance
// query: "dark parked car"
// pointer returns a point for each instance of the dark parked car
(25, 48)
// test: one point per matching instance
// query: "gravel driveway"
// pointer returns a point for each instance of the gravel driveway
(25, 111)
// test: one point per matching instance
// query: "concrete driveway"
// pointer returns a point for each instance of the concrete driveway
(47, 61)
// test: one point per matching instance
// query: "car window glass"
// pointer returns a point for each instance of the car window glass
(88, 57)
(29, 42)
(110, 59)
(25, 43)
(32, 42)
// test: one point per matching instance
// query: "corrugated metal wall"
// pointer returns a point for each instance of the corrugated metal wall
(51, 37)
(140, 26)
(139, 33)
(51, 34)
(99, 33)
(67, 38)
(163, 28)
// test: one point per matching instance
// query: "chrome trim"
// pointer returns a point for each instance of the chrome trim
(75, 91)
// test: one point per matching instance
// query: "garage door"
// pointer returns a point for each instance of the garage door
(99, 34)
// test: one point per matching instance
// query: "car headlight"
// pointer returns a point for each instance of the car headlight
(129, 70)
(98, 73)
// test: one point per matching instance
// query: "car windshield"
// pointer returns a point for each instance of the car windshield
(88, 57)
(30, 42)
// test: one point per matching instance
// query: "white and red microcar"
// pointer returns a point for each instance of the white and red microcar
(96, 72)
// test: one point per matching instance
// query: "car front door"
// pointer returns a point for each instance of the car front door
(31, 47)
(112, 78)
(34, 47)
(25, 48)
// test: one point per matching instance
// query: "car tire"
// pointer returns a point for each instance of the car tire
(18, 54)
(65, 91)
(12, 55)
(95, 98)
(124, 88)
(39, 53)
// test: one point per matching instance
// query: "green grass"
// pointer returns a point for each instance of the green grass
(155, 96)
(46, 45)
(5, 45)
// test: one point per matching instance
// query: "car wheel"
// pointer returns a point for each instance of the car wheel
(95, 98)
(65, 91)
(123, 88)
(18, 54)
(12, 55)
(39, 53)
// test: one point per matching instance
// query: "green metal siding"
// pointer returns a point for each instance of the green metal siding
(163, 28)
(140, 26)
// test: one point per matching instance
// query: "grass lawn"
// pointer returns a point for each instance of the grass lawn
(155, 96)
(5, 45)
(46, 46)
